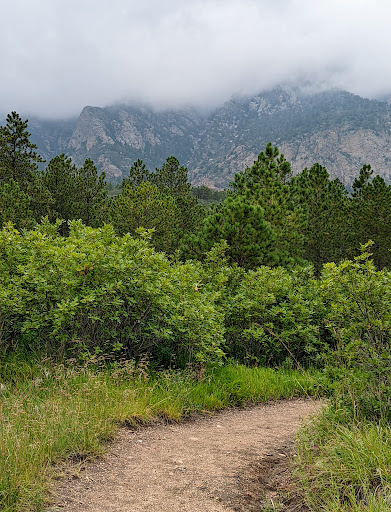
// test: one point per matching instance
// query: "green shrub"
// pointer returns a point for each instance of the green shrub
(274, 316)
(94, 292)
(358, 299)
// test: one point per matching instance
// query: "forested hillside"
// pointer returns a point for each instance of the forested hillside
(339, 130)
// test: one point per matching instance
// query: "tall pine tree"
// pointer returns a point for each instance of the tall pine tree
(265, 184)
(138, 174)
(90, 195)
(371, 206)
(327, 227)
(145, 206)
(250, 238)
(15, 206)
(18, 158)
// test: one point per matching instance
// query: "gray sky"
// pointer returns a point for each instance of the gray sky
(59, 55)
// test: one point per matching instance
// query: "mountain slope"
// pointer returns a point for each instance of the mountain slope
(335, 128)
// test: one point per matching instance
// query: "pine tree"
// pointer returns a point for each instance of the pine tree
(251, 239)
(90, 195)
(265, 184)
(60, 179)
(15, 206)
(18, 158)
(138, 174)
(41, 199)
(371, 207)
(172, 178)
(145, 206)
(327, 228)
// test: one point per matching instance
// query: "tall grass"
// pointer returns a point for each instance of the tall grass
(54, 412)
(345, 467)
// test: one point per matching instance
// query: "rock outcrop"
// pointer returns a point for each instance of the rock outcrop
(337, 129)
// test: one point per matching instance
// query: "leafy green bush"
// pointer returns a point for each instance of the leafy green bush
(273, 317)
(94, 292)
(358, 299)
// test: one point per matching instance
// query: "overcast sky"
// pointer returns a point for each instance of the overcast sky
(59, 55)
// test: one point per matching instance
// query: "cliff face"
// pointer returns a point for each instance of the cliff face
(336, 129)
(339, 130)
(115, 137)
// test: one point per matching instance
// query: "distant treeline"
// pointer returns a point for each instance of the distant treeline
(266, 217)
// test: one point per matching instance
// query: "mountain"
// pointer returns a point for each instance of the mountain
(339, 130)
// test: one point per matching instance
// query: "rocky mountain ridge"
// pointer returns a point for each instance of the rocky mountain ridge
(339, 130)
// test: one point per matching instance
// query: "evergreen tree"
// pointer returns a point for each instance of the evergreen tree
(41, 199)
(327, 228)
(364, 178)
(251, 239)
(172, 178)
(90, 195)
(371, 206)
(138, 174)
(270, 167)
(208, 196)
(60, 180)
(14, 206)
(18, 158)
(265, 184)
(145, 206)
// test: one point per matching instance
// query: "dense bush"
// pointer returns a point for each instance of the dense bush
(274, 317)
(359, 319)
(94, 292)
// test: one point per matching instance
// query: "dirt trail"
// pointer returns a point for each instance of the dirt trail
(232, 461)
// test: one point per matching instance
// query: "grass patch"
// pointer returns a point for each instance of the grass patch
(50, 413)
(345, 467)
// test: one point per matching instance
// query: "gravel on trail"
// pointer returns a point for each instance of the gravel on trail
(234, 460)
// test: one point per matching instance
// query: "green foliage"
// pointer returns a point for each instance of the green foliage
(138, 174)
(41, 200)
(94, 292)
(208, 196)
(90, 195)
(265, 185)
(242, 225)
(76, 193)
(14, 206)
(59, 180)
(161, 201)
(270, 166)
(274, 317)
(256, 219)
(359, 319)
(18, 160)
(327, 227)
(172, 178)
(371, 206)
(145, 206)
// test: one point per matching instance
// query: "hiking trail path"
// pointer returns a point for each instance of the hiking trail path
(234, 460)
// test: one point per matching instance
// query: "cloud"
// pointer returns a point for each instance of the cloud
(60, 56)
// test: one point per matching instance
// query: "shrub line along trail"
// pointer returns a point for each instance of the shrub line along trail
(212, 464)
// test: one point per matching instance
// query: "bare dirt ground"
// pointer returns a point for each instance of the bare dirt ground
(235, 460)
